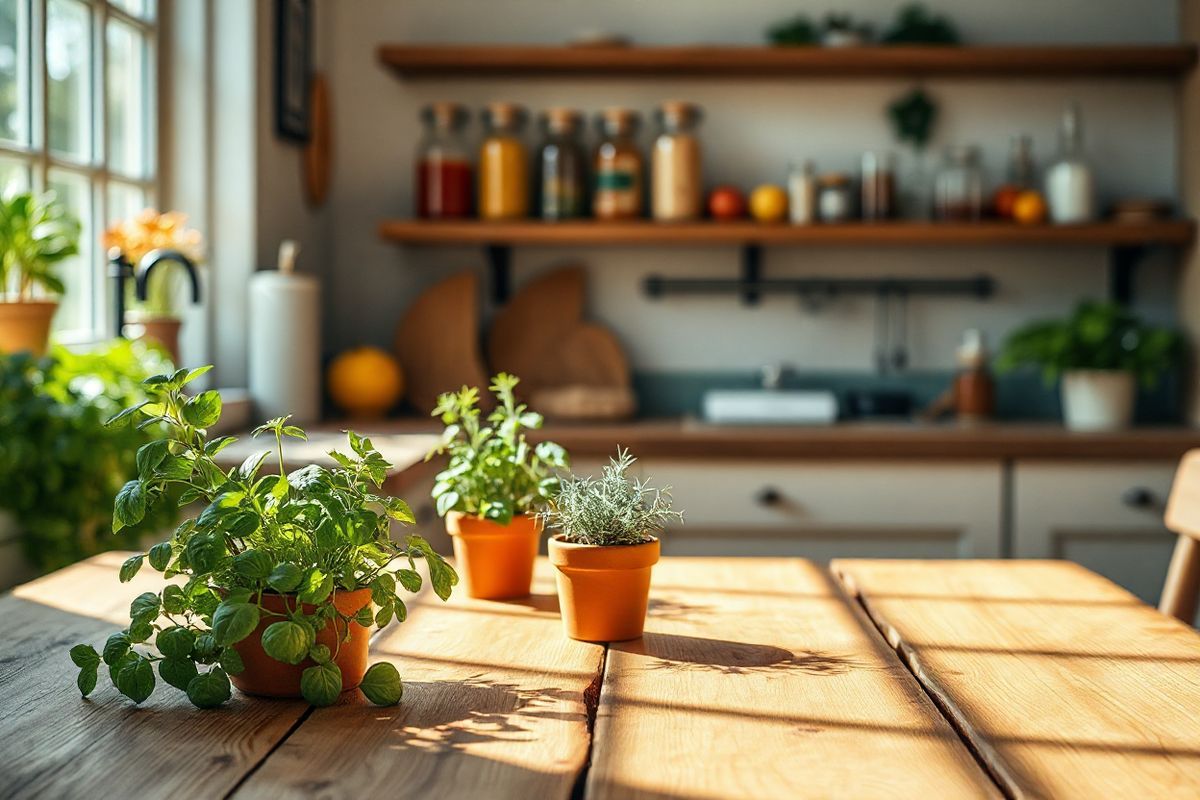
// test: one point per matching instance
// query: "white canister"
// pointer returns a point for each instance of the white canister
(1097, 399)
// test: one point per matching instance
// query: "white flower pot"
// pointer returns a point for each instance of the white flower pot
(1097, 400)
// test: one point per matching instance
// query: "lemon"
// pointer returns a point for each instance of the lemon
(365, 382)
(768, 203)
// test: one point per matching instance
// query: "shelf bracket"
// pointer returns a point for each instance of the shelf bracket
(751, 273)
(1123, 263)
(499, 257)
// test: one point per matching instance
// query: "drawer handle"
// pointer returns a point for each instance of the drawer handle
(769, 497)
(1141, 498)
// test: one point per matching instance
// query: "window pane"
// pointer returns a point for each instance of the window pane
(14, 176)
(124, 202)
(68, 66)
(137, 8)
(14, 71)
(126, 100)
(77, 273)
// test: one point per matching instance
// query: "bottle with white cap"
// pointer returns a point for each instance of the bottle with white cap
(1070, 190)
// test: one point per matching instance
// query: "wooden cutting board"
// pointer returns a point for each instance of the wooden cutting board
(437, 342)
(525, 332)
(589, 355)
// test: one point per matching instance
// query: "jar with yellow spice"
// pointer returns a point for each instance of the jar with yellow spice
(503, 163)
(619, 173)
(675, 184)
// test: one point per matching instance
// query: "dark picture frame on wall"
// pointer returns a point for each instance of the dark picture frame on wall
(293, 68)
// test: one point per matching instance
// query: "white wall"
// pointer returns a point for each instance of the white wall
(753, 128)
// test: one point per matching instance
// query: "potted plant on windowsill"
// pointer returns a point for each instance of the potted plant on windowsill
(36, 235)
(1099, 352)
(492, 488)
(605, 550)
(285, 573)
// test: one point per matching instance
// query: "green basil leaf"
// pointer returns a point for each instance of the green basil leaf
(233, 622)
(319, 653)
(140, 630)
(177, 672)
(206, 551)
(175, 642)
(116, 647)
(86, 681)
(365, 617)
(203, 410)
(399, 510)
(128, 412)
(160, 556)
(135, 679)
(410, 579)
(315, 587)
(285, 577)
(249, 468)
(115, 668)
(129, 508)
(210, 689)
(321, 684)
(231, 661)
(253, 564)
(149, 456)
(130, 568)
(173, 599)
(84, 655)
(381, 684)
(205, 648)
(217, 445)
(384, 615)
(287, 641)
(383, 588)
(144, 607)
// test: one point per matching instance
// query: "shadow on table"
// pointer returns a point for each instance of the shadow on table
(693, 653)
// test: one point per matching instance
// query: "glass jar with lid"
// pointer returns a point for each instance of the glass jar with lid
(676, 188)
(444, 184)
(561, 186)
(619, 170)
(958, 187)
(503, 163)
(835, 200)
(878, 186)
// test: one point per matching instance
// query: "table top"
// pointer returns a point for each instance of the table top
(756, 678)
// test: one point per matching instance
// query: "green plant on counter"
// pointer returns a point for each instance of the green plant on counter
(304, 535)
(797, 31)
(60, 467)
(1097, 336)
(36, 235)
(612, 509)
(916, 24)
(493, 472)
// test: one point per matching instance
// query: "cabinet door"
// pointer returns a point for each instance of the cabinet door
(1105, 516)
(830, 509)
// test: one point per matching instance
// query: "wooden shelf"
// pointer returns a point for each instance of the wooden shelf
(717, 61)
(474, 232)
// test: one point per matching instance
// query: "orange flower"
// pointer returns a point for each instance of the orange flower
(151, 230)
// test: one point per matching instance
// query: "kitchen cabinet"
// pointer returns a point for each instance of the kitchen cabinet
(1106, 516)
(828, 509)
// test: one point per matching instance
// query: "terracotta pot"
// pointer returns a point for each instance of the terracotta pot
(164, 330)
(495, 561)
(603, 591)
(267, 677)
(26, 326)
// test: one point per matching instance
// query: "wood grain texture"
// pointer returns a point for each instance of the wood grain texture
(1066, 685)
(493, 707)
(699, 234)
(54, 744)
(758, 679)
(1181, 589)
(714, 61)
(526, 331)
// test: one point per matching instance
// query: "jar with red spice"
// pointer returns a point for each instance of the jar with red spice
(445, 183)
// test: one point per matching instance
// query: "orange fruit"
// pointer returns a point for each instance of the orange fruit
(1029, 208)
(365, 382)
(768, 203)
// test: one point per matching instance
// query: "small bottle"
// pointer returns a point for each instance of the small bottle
(444, 180)
(958, 188)
(802, 194)
(561, 182)
(1070, 192)
(878, 200)
(503, 164)
(619, 173)
(974, 389)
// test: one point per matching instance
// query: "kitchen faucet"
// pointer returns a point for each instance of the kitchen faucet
(121, 270)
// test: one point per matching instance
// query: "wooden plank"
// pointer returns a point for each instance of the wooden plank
(697, 234)
(1066, 685)
(716, 61)
(54, 744)
(758, 678)
(493, 707)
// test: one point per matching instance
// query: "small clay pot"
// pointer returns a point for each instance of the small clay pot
(603, 591)
(495, 561)
(267, 677)
(26, 326)
(164, 331)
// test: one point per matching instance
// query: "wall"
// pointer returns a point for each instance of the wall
(751, 131)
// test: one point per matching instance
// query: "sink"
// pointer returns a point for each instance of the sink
(770, 407)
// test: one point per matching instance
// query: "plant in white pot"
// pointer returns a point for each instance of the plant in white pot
(36, 234)
(1100, 351)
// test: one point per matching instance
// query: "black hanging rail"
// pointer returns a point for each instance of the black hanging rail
(981, 286)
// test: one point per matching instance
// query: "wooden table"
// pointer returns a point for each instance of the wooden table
(757, 678)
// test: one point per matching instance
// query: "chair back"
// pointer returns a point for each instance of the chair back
(1181, 589)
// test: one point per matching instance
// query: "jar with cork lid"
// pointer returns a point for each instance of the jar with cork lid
(676, 187)
(503, 163)
(619, 169)
(444, 184)
(561, 189)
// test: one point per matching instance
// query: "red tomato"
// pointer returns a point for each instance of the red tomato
(726, 202)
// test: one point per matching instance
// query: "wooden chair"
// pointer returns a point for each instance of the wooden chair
(1181, 590)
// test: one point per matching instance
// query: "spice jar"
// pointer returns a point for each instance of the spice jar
(560, 183)
(802, 194)
(878, 186)
(444, 182)
(834, 203)
(675, 185)
(958, 188)
(619, 168)
(503, 166)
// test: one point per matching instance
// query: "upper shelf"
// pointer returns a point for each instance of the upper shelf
(714, 61)
(645, 232)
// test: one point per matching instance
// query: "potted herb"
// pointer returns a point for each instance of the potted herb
(1098, 352)
(36, 235)
(281, 576)
(605, 549)
(492, 488)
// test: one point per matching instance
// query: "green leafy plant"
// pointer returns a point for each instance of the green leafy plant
(798, 30)
(60, 467)
(36, 234)
(913, 116)
(1100, 336)
(303, 535)
(493, 472)
(612, 509)
(916, 24)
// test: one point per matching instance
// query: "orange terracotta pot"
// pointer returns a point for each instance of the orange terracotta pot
(267, 677)
(26, 327)
(495, 561)
(603, 591)
(165, 331)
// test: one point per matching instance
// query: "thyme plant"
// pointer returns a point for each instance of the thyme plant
(612, 509)
(303, 535)
(493, 472)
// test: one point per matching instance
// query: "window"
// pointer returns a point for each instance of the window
(77, 115)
